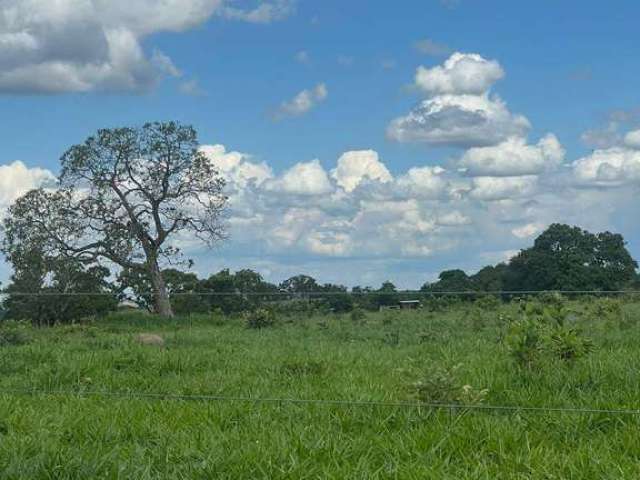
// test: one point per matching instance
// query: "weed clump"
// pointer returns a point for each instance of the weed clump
(443, 386)
(358, 315)
(260, 318)
(544, 332)
(14, 334)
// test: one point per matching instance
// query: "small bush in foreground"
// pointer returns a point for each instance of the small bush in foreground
(443, 386)
(14, 333)
(358, 315)
(260, 318)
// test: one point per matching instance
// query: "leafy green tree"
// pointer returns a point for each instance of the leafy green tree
(386, 295)
(569, 258)
(47, 291)
(337, 298)
(184, 290)
(236, 292)
(489, 278)
(124, 194)
(302, 285)
(450, 281)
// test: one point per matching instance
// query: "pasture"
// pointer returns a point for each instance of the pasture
(72, 403)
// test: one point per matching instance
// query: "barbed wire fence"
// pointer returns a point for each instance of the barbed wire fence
(451, 407)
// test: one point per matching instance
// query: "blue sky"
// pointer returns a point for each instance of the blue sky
(569, 68)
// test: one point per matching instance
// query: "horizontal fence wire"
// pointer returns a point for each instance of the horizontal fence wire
(324, 294)
(326, 402)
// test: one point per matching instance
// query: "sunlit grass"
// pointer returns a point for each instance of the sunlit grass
(324, 358)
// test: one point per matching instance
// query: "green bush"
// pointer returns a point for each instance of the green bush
(568, 344)
(525, 342)
(14, 333)
(544, 332)
(443, 386)
(358, 315)
(260, 318)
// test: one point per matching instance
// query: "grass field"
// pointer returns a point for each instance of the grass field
(456, 354)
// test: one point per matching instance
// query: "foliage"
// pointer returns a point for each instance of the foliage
(47, 291)
(260, 318)
(357, 315)
(545, 331)
(568, 258)
(13, 333)
(443, 386)
(124, 194)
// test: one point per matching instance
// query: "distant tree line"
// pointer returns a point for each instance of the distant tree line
(561, 258)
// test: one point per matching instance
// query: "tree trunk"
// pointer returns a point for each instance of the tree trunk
(161, 302)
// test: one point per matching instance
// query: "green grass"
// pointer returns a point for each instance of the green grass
(92, 436)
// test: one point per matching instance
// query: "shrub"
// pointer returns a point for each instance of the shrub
(544, 332)
(568, 344)
(260, 318)
(358, 315)
(442, 386)
(14, 333)
(525, 341)
(487, 303)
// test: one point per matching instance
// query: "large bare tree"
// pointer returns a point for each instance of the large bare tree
(126, 196)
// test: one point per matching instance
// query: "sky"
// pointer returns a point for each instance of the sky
(361, 141)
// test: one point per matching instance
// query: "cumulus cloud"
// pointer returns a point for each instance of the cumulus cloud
(500, 188)
(460, 110)
(423, 182)
(303, 102)
(16, 179)
(610, 167)
(632, 139)
(93, 45)
(236, 167)
(307, 178)
(528, 230)
(356, 166)
(514, 157)
(459, 120)
(357, 213)
(461, 73)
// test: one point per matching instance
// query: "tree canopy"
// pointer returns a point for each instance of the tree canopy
(124, 195)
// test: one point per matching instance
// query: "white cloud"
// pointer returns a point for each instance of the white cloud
(303, 102)
(514, 157)
(307, 178)
(94, 45)
(459, 120)
(610, 167)
(163, 63)
(459, 110)
(423, 182)
(16, 179)
(528, 230)
(632, 139)
(461, 73)
(236, 167)
(265, 12)
(356, 166)
(500, 188)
